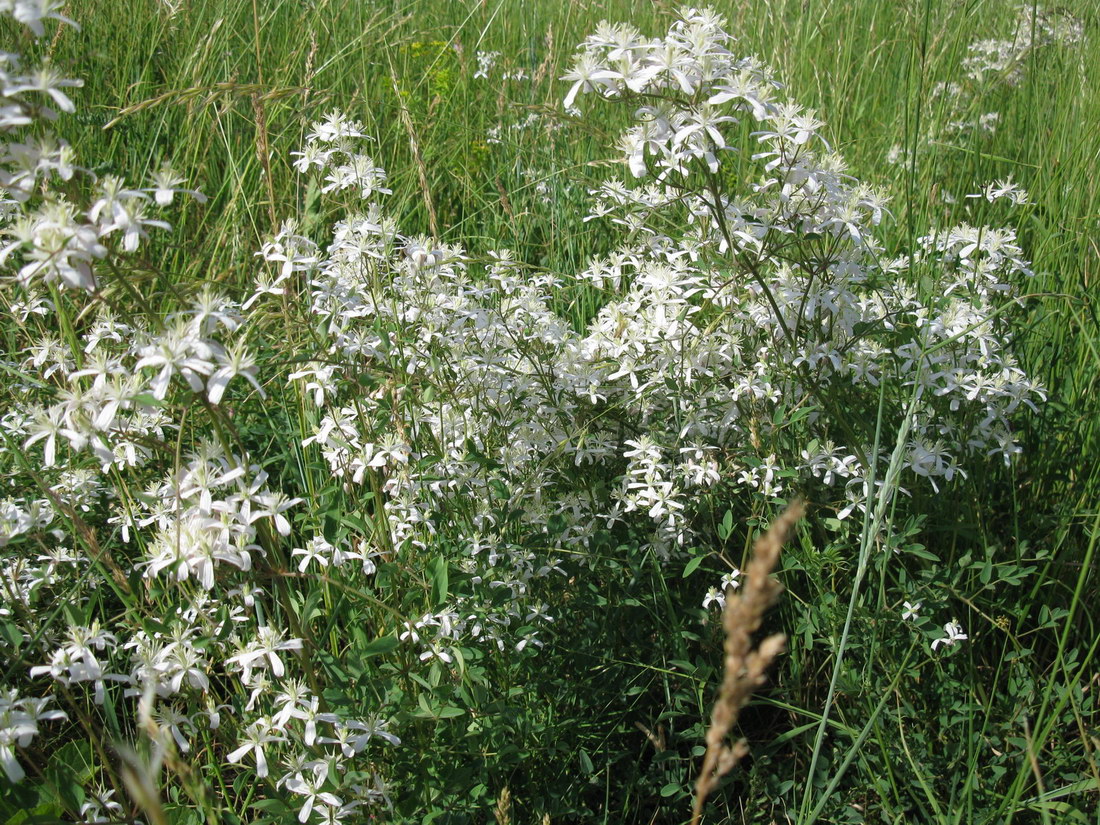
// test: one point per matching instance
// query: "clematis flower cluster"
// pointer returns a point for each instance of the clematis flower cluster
(1034, 27)
(102, 385)
(990, 62)
(732, 307)
(725, 309)
(106, 398)
(779, 294)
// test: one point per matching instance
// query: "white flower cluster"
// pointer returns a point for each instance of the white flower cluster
(203, 523)
(76, 660)
(99, 377)
(176, 665)
(18, 516)
(19, 718)
(55, 239)
(717, 595)
(19, 725)
(205, 517)
(781, 291)
(953, 634)
(104, 403)
(332, 147)
(1006, 189)
(530, 121)
(488, 63)
(406, 306)
(24, 163)
(752, 323)
(1003, 60)
(953, 630)
(1034, 27)
(494, 427)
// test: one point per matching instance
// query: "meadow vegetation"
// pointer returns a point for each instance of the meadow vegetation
(395, 393)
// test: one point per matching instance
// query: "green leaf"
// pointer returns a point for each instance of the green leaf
(586, 763)
(383, 644)
(556, 524)
(357, 523)
(12, 635)
(270, 805)
(670, 789)
(440, 579)
(985, 573)
(182, 815)
(146, 399)
(693, 565)
(69, 768)
(919, 551)
(725, 529)
(47, 812)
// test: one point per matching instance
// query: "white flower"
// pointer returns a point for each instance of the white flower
(1007, 189)
(954, 635)
(177, 350)
(317, 549)
(175, 720)
(18, 726)
(46, 79)
(264, 650)
(166, 184)
(589, 75)
(237, 361)
(714, 596)
(310, 788)
(335, 127)
(910, 611)
(48, 424)
(257, 735)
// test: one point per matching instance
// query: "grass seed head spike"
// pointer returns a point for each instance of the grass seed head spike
(744, 667)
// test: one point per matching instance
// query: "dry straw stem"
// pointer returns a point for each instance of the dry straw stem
(414, 146)
(744, 667)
